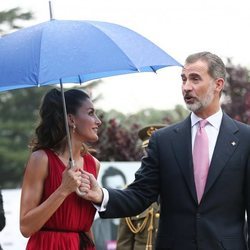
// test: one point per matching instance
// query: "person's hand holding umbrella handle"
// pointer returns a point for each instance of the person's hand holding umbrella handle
(71, 180)
(78, 190)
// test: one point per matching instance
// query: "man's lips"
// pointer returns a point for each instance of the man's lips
(189, 99)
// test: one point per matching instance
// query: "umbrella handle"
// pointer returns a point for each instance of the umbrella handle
(72, 165)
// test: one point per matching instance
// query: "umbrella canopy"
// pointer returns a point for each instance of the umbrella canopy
(75, 51)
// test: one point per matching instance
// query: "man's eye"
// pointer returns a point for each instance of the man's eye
(195, 79)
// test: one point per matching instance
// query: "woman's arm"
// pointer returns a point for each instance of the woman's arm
(33, 214)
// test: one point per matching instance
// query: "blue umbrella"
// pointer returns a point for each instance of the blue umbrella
(75, 51)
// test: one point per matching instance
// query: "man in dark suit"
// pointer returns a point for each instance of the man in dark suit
(203, 203)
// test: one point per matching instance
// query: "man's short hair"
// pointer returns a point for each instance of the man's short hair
(216, 67)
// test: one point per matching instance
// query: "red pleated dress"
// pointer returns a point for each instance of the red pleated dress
(65, 228)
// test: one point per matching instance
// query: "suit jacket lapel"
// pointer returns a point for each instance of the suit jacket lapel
(226, 144)
(182, 144)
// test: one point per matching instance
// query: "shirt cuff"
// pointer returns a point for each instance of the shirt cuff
(105, 200)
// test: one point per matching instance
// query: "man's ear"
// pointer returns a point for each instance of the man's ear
(219, 82)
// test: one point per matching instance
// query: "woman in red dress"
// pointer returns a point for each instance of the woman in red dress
(52, 214)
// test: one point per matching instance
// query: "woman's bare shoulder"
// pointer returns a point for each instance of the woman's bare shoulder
(38, 161)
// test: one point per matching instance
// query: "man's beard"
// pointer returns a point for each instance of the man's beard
(203, 102)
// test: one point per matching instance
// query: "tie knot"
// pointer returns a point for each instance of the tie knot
(203, 123)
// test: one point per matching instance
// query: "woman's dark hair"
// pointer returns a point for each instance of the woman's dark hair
(51, 130)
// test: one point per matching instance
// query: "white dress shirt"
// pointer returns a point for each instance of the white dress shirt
(212, 128)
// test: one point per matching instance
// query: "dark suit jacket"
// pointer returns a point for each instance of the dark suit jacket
(218, 222)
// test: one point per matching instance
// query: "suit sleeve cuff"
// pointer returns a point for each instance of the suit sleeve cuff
(105, 200)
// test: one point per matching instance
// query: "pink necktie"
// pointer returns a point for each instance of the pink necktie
(201, 159)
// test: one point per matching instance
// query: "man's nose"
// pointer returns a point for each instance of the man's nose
(187, 86)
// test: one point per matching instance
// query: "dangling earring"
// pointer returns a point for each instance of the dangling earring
(74, 128)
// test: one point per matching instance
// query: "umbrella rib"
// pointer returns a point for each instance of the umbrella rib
(125, 54)
(39, 61)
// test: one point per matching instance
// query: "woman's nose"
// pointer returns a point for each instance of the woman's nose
(98, 121)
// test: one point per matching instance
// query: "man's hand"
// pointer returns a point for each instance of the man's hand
(90, 189)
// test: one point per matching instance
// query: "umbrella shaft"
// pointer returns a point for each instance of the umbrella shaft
(50, 11)
(71, 160)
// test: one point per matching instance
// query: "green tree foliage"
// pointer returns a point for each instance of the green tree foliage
(18, 109)
(9, 19)
(13, 133)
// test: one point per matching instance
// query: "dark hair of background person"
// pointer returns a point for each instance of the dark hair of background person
(112, 171)
(51, 130)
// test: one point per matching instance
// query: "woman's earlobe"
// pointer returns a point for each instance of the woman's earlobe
(71, 120)
(74, 127)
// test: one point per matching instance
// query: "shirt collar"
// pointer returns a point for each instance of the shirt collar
(214, 120)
